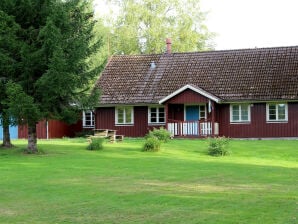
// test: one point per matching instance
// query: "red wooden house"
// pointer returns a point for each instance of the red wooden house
(248, 93)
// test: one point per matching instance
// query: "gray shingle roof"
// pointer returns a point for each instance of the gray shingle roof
(231, 75)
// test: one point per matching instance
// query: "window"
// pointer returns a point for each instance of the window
(156, 115)
(202, 112)
(277, 112)
(124, 115)
(88, 119)
(240, 113)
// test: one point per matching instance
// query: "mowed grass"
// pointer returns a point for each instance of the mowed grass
(65, 183)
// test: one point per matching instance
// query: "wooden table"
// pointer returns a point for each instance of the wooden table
(106, 133)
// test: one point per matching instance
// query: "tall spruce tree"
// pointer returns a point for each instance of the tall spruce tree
(57, 43)
(9, 63)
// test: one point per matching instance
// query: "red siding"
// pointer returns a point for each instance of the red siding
(188, 97)
(176, 112)
(258, 127)
(56, 129)
(105, 119)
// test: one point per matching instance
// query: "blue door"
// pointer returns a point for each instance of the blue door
(192, 113)
(13, 130)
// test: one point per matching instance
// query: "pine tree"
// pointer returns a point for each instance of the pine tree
(57, 43)
(9, 63)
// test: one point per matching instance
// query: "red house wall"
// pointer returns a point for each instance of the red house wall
(188, 97)
(176, 112)
(56, 129)
(258, 127)
(105, 119)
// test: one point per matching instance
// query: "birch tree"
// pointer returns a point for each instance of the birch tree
(142, 26)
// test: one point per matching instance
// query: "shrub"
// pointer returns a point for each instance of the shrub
(218, 146)
(84, 133)
(152, 144)
(161, 134)
(96, 144)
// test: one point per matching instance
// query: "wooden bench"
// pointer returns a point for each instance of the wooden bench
(105, 133)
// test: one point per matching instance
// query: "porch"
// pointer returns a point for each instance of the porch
(192, 128)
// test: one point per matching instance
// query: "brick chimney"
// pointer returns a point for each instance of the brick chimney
(169, 45)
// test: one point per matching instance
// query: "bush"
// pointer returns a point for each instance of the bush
(161, 134)
(152, 144)
(96, 144)
(218, 146)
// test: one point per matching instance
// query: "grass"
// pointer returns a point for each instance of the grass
(65, 183)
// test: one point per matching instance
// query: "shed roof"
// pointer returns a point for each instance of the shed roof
(258, 74)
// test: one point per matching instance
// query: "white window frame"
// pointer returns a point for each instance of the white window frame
(125, 108)
(92, 119)
(205, 111)
(157, 115)
(240, 113)
(276, 112)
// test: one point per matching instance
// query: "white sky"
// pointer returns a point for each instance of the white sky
(250, 23)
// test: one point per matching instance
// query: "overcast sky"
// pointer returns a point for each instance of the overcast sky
(250, 23)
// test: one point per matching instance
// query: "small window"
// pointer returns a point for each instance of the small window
(202, 112)
(240, 113)
(88, 119)
(277, 112)
(124, 115)
(156, 115)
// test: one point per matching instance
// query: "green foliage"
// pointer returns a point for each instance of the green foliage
(20, 104)
(218, 146)
(96, 144)
(161, 134)
(142, 26)
(152, 144)
(46, 48)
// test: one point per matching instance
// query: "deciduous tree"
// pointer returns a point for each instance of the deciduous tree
(142, 26)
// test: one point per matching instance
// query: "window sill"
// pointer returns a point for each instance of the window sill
(156, 124)
(240, 122)
(124, 125)
(276, 122)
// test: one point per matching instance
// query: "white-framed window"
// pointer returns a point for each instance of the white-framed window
(124, 115)
(203, 112)
(240, 113)
(88, 119)
(156, 115)
(277, 112)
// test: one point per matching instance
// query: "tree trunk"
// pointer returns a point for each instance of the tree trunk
(32, 139)
(6, 135)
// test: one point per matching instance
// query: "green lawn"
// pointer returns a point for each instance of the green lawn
(65, 183)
